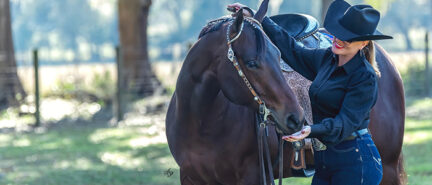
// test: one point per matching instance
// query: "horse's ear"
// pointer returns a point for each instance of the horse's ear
(259, 16)
(238, 21)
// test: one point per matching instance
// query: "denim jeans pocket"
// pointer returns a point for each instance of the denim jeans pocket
(345, 153)
(375, 156)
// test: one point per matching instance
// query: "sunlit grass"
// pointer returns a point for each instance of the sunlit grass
(417, 131)
(83, 155)
(417, 151)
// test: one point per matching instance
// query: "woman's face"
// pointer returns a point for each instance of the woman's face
(347, 48)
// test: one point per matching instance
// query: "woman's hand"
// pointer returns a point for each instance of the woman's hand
(238, 6)
(298, 135)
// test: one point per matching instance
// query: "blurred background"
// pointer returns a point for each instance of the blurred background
(85, 84)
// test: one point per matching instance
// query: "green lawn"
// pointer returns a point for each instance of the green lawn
(98, 154)
(84, 155)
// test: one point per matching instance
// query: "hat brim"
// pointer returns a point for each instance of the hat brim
(332, 25)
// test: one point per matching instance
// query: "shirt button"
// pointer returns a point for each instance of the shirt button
(357, 150)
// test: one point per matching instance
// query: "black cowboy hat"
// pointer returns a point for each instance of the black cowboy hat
(353, 23)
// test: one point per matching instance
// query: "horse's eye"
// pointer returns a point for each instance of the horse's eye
(252, 64)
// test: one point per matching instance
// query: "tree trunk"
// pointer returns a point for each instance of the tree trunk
(405, 31)
(324, 7)
(139, 78)
(11, 90)
(408, 42)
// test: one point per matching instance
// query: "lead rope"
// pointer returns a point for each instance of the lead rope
(280, 148)
(269, 163)
(261, 130)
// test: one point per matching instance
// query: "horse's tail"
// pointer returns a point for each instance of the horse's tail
(401, 170)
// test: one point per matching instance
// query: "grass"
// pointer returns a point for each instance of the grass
(84, 155)
(417, 151)
(100, 155)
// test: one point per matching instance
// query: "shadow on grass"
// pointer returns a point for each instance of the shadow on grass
(421, 128)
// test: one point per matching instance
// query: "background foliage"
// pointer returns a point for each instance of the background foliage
(86, 30)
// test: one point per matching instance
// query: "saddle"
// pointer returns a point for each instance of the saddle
(298, 26)
(301, 27)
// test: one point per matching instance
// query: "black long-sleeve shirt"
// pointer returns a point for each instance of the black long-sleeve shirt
(341, 96)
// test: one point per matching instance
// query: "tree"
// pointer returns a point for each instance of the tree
(381, 5)
(404, 21)
(11, 90)
(139, 78)
(63, 25)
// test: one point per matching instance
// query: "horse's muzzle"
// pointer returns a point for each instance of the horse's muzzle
(289, 125)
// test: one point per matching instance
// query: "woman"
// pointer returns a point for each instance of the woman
(342, 94)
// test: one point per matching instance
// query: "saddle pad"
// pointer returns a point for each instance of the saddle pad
(299, 84)
(300, 87)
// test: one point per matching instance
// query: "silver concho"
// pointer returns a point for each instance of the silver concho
(230, 54)
(240, 73)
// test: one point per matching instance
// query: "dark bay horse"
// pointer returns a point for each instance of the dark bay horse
(210, 121)
(388, 119)
(210, 124)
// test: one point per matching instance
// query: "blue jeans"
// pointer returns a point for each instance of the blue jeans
(353, 162)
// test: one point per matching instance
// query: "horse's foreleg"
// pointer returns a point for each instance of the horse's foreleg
(390, 175)
(250, 174)
(185, 179)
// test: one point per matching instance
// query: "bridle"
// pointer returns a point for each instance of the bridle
(263, 113)
(231, 56)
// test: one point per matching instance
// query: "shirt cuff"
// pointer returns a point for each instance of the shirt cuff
(317, 130)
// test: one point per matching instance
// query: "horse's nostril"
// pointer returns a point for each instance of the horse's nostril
(291, 122)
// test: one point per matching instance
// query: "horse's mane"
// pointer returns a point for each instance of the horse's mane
(214, 25)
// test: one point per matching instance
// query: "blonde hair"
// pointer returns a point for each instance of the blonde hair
(369, 52)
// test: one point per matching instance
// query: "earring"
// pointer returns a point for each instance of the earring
(362, 54)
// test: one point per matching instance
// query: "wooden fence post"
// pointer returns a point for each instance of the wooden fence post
(36, 76)
(427, 70)
(119, 92)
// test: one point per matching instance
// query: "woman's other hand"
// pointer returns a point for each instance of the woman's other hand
(306, 130)
(237, 6)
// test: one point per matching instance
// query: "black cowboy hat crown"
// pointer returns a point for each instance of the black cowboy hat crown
(353, 23)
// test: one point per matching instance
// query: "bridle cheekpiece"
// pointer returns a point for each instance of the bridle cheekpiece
(263, 110)
(263, 113)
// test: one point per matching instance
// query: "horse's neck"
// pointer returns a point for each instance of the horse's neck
(197, 82)
(199, 92)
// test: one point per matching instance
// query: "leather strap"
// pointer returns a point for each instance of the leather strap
(260, 134)
(263, 145)
(281, 142)
(269, 163)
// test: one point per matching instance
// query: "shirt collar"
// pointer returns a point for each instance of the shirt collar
(353, 64)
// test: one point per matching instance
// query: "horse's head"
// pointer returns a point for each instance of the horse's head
(258, 61)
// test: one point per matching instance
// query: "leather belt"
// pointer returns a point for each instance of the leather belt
(356, 134)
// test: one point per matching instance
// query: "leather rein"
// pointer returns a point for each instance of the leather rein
(263, 113)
